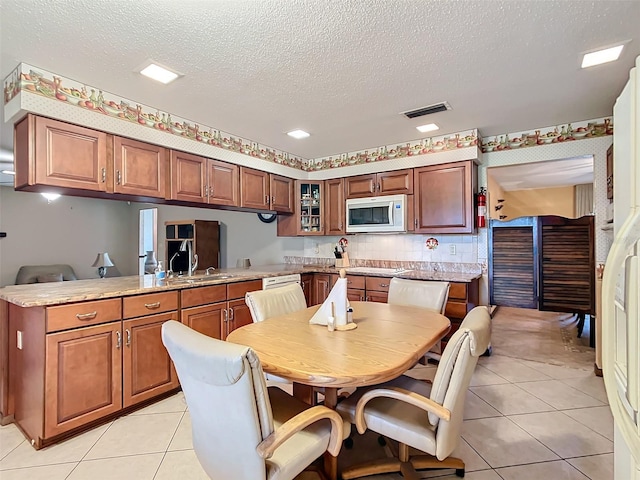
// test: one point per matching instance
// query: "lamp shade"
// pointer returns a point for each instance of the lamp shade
(103, 260)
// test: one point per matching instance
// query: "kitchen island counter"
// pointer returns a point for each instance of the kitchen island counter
(57, 293)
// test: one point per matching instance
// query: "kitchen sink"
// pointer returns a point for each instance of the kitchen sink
(377, 270)
(199, 278)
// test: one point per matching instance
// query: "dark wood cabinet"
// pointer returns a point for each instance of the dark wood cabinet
(309, 215)
(383, 183)
(334, 209)
(50, 153)
(204, 236)
(444, 198)
(206, 319)
(139, 168)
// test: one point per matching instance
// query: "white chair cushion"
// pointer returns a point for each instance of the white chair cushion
(264, 304)
(294, 455)
(418, 293)
(394, 419)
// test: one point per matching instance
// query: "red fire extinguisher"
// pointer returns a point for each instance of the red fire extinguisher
(482, 207)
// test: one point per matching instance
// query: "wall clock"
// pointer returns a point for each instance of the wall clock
(267, 217)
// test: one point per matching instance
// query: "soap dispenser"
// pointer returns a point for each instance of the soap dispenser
(160, 273)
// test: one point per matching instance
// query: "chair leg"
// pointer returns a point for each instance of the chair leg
(383, 465)
(420, 462)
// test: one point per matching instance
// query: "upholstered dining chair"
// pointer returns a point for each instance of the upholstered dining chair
(420, 415)
(264, 304)
(431, 295)
(240, 428)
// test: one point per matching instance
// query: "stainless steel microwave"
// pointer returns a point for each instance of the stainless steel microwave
(377, 214)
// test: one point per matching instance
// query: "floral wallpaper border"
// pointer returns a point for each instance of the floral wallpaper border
(41, 82)
(599, 127)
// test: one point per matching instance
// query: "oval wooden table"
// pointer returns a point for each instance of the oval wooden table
(389, 340)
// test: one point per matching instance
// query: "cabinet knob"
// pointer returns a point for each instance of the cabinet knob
(128, 341)
(231, 314)
(118, 339)
(383, 285)
(104, 175)
(273, 200)
(86, 316)
(415, 222)
(378, 187)
(225, 315)
(266, 199)
(152, 306)
(118, 177)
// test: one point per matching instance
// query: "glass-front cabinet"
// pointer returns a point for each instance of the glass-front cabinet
(311, 214)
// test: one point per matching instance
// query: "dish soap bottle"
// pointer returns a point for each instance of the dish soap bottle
(160, 273)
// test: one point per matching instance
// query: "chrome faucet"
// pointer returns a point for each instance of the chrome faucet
(207, 272)
(185, 246)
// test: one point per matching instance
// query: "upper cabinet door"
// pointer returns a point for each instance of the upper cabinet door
(360, 186)
(382, 183)
(334, 216)
(281, 194)
(443, 199)
(66, 155)
(188, 177)
(223, 185)
(254, 189)
(395, 183)
(139, 168)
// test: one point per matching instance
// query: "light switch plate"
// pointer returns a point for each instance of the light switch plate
(19, 340)
(452, 249)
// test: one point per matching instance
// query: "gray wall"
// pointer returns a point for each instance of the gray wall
(73, 230)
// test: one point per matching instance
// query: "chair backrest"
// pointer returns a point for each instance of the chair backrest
(264, 304)
(227, 396)
(419, 293)
(454, 373)
(44, 273)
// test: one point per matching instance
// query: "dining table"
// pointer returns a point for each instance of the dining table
(387, 341)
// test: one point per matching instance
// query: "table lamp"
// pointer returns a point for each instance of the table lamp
(102, 262)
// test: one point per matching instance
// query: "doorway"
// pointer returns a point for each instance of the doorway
(147, 236)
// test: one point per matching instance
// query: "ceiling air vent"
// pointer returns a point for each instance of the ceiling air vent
(435, 108)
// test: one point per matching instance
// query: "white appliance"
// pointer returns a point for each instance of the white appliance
(377, 214)
(621, 285)
(281, 281)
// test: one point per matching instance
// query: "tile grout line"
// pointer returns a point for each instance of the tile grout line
(164, 455)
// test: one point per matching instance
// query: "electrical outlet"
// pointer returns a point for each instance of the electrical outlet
(19, 340)
(452, 249)
(316, 249)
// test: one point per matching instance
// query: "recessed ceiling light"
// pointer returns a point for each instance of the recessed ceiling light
(430, 127)
(159, 74)
(8, 172)
(601, 56)
(298, 134)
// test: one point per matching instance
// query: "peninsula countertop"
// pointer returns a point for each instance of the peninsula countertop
(57, 293)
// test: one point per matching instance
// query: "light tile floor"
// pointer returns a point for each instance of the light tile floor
(523, 420)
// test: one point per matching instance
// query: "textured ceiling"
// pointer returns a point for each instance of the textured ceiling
(556, 173)
(343, 69)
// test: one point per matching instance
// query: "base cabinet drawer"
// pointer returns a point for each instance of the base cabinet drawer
(77, 315)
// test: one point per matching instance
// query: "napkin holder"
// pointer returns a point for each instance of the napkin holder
(335, 307)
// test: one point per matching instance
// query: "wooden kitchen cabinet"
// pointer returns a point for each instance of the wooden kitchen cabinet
(83, 377)
(463, 297)
(147, 368)
(217, 310)
(444, 198)
(306, 282)
(377, 289)
(265, 191)
(139, 168)
(204, 236)
(203, 180)
(309, 215)
(321, 287)
(335, 221)
(50, 153)
(383, 183)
